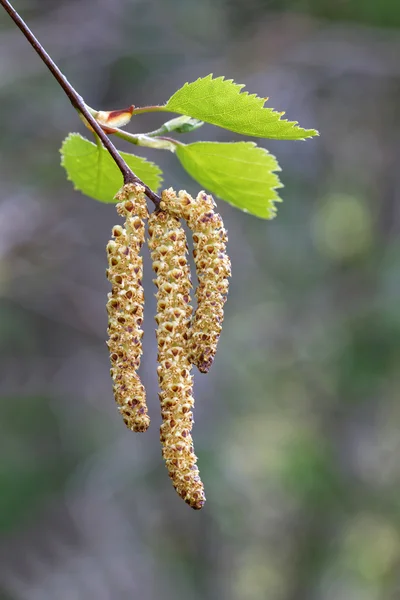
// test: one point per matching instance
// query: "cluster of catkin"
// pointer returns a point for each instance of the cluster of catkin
(184, 337)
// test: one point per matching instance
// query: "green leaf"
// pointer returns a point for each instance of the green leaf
(240, 173)
(220, 102)
(95, 174)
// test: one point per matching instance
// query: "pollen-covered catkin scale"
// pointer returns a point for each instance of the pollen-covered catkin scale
(125, 306)
(168, 247)
(213, 268)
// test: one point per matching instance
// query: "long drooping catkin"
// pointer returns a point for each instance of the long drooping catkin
(213, 268)
(125, 307)
(168, 247)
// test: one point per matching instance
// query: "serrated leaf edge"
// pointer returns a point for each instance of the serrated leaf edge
(272, 210)
(239, 86)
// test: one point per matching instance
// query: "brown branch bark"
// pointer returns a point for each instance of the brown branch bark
(77, 101)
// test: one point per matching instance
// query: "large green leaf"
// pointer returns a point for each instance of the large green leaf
(219, 101)
(95, 174)
(240, 173)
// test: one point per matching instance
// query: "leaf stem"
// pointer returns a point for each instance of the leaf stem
(146, 109)
(77, 101)
(171, 141)
(143, 139)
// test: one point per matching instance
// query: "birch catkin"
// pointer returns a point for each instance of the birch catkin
(213, 268)
(168, 247)
(125, 306)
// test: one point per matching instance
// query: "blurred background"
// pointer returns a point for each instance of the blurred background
(297, 424)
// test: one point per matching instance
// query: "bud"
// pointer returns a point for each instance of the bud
(182, 124)
(125, 306)
(168, 248)
(111, 119)
(115, 118)
(213, 268)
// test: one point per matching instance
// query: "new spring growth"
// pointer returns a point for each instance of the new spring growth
(213, 268)
(183, 338)
(168, 247)
(125, 307)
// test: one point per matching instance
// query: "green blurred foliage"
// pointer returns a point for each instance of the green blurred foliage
(297, 424)
(368, 12)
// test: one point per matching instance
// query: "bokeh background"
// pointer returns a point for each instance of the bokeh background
(297, 424)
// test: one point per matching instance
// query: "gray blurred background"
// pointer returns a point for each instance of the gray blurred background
(297, 424)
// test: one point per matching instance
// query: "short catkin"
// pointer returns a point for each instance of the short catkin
(168, 248)
(213, 268)
(125, 306)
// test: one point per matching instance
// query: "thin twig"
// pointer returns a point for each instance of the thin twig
(77, 101)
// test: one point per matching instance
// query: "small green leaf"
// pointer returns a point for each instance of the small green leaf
(239, 172)
(95, 174)
(220, 102)
(182, 124)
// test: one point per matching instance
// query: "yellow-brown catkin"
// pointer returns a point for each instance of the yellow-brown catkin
(125, 307)
(168, 248)
(213, 268)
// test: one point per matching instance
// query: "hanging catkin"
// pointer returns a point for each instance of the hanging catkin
(168, 247)
(125, 306)
(213, 268)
